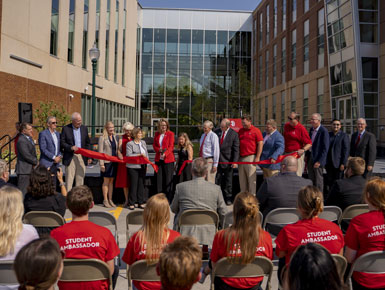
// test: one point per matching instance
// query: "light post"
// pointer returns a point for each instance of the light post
(94, 54)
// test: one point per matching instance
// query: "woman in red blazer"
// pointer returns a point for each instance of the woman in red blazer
(164, 157)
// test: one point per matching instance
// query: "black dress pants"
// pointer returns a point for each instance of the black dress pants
(164, 178)
(224, 179)
(136, 194)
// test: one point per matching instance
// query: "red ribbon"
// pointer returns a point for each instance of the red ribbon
(126, 159)
(263, 162)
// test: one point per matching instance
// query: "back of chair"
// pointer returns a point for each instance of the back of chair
(85, 270)
(7, 274)
(278, 218)
(351, 212)
(372, 262)
(228, 220)
(44, 219)
(341, 264)
(331, 213)
(261, 266)
(133, 218)
(140, 271)
(199, 217)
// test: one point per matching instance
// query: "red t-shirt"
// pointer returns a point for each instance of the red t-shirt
(248, 139)
(265, 248)
(85, 240)
(305, 231)
(366, 233)
(134, 252)
(295, 137)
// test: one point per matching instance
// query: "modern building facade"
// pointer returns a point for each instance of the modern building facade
(320, 56)
(194, 65)
(44, 57)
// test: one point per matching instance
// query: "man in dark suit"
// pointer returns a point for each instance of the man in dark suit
(281, 190)
(316, 158)
(349, 191)
(229, 152)
(363, 144)
(337, 155)
(74, 136)
(26, 157)
(49, 143)
(273, 146)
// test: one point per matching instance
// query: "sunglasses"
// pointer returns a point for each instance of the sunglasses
(336, 124)
(291, 119)
(53, 122)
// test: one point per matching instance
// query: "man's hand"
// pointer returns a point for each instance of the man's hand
(300, 152)
(214, 169)
(317, 165)
(234, 165)
(57, 159)
(102, 168)
(273, 160)
(342, 167)
(256, 159)
(370, 168)
(74, 148)
(89, 161)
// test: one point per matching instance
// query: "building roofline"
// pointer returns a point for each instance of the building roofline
(198, 9)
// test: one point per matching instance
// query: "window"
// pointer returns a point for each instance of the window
(306, 46)
(267, 70)
(274, 108)
(305, 5)
(260, 30)
(283, 15)
(368, 17)
(71, 30)
(320, 95)
(267, 24)
(275, 19)
(97, 27)
(305, 109)
(342, 78)
(283, 101)
(107, 39)
(54, 27)
(293, 53)
(116, 41)
(259, 111)
(283, 60)
(293, 98)
(321, 38)
(259, 73)
(274, 65)
(85, 35)
(124, 42)
(266, 108)
(294, 10)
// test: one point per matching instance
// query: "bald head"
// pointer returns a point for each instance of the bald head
(289, 164)
(225, 124)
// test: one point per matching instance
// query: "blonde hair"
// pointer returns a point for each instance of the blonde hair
(375, 193)
(160, 123)
(11, 213)
(245, 233)
(187, 141)
(105, 133)
(128, 126)
(310, 201)
(154, 232)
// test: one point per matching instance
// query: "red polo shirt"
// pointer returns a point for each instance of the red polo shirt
(295, 137)
(248, 139)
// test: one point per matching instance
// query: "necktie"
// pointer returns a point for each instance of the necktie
(201, 149)
(223, 137)
(358, 140)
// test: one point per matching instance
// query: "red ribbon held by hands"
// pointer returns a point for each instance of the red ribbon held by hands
(126, 159)
(267, 161)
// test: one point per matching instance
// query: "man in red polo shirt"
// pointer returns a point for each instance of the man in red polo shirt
(250, 149)
(297, 139)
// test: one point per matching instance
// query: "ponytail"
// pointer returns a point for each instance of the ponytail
(310, 201)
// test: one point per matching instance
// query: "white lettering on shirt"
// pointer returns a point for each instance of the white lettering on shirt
(319, 237)
(377, 231)
(78, 243)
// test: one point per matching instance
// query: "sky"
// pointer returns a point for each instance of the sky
(244, 5)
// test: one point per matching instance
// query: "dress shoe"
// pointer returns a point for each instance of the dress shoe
(106, 203)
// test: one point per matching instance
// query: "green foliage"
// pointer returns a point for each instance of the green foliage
(50, 109)
(5, 155)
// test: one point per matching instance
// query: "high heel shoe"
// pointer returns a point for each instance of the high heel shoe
(106, 203)
(112, 203)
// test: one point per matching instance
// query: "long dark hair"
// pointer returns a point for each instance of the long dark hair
(41, 184)
(312, 267)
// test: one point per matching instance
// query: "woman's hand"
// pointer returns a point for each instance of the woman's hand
(60, 175)
(102, 168)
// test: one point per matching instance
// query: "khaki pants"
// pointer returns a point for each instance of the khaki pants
(76, 170)
(210, 176)
(268, 172)
(301, 165)
(247, 174)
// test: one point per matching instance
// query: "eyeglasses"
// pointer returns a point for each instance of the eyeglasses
(53, 122)
(291, 119)
(336, 125)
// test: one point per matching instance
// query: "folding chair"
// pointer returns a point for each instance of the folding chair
(278, 218)
(85, 270)
(350, 212)
(372, 262)
(331, 213)
(341, 264)
(228, 220)
(140, 271)
(106, 220)
(198, 217)
(44, 221)
(133, 218)
(261, 266)
(7, 274)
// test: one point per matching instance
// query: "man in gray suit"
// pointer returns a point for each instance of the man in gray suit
(281, 190)
(26, 156)
(198, 194)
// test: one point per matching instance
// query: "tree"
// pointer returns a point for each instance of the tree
(50, 109)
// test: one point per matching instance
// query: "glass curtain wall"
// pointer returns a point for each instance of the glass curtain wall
(54, 27)
(71, 31)
(85, 35)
